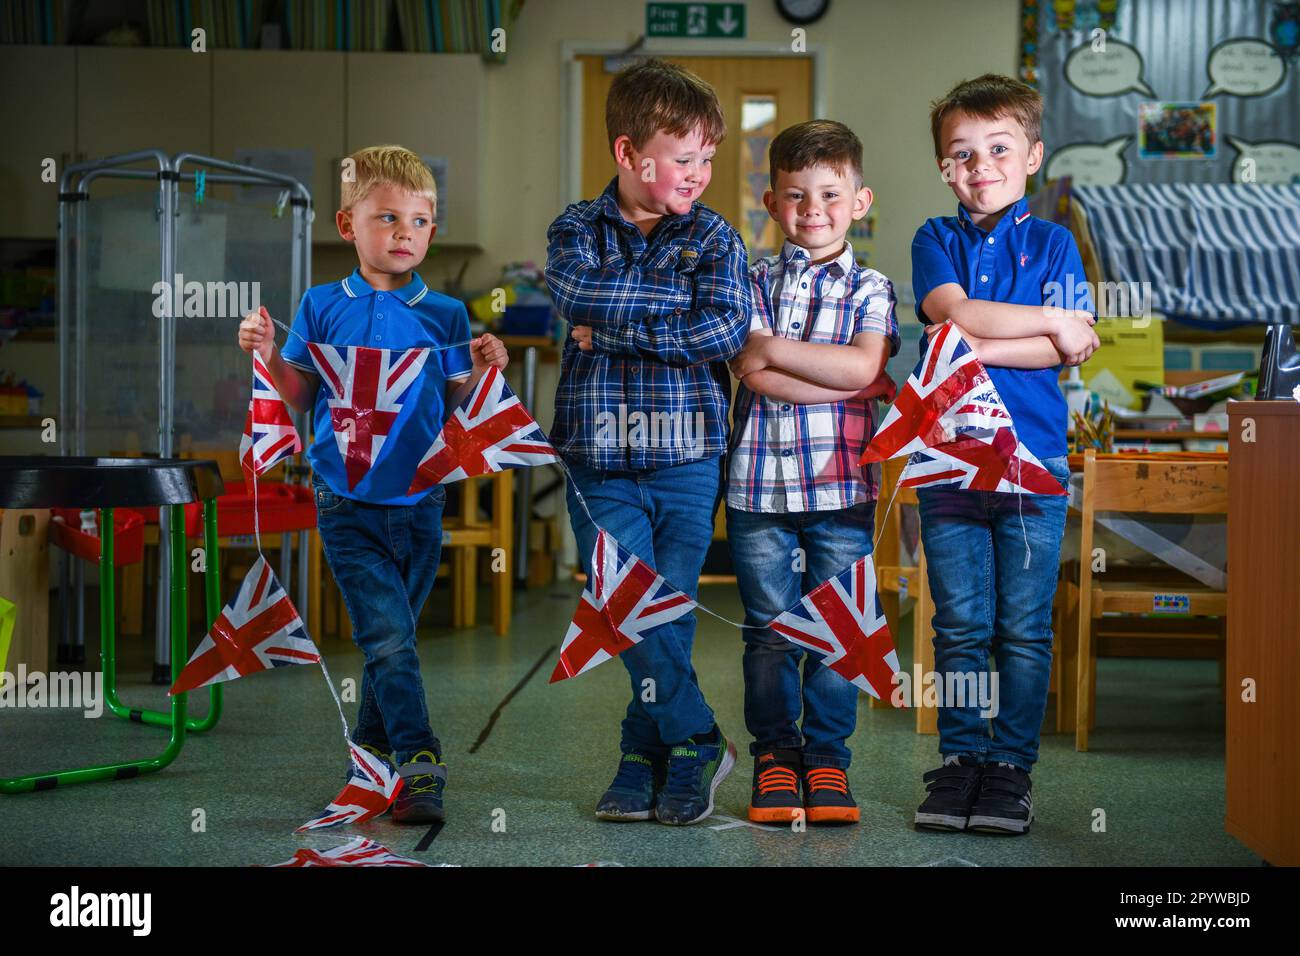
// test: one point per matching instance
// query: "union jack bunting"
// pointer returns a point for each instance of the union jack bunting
(269, 434)
(842, 621)
(489, 431)
(980, 462)
(624, 598)
(951, 421)
(949, 392)
(367, 388)
(356, 852)
(370, 791)
(259, 629)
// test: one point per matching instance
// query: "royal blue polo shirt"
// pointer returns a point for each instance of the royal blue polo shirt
(1015, 262)
(351, 312)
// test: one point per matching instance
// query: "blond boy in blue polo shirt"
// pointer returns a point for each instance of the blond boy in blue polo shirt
(382, 544)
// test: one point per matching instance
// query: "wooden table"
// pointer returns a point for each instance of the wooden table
(1263, 734)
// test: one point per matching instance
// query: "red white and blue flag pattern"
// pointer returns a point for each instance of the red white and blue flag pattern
(356, 852)
(367, 388)
(489, 431)
(951, 421)
(269, 433)
(842, 621)
(370, 791)
(258, 630)
(623, 599)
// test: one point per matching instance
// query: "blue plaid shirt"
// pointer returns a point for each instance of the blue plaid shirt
(666, 312)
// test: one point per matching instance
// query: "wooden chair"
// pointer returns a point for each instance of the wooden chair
(1127, 483)
(464, 533)
(896, 581)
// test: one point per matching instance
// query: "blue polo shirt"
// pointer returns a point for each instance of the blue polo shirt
(351, 312)
(1013, 263)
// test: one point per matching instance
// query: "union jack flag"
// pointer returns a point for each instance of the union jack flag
(981, 463)
(842, 620)
(951, 421)
(269, 434)
(260, 628)
(367, 387)
(370, 791)
(624, 598)
(356, 852)
(489, 431)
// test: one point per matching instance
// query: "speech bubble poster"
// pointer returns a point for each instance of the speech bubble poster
(1166, 91)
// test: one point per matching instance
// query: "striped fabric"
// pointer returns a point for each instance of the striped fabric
(1211, 252)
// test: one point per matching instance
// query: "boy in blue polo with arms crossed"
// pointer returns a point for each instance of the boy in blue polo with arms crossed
(382, 544)
(990, 270)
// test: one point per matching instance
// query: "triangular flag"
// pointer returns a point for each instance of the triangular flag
(623, 599)
(269, 433)
(356, 852)
(370, 791)
(259, 629)
(367, 389)
(489, 431)
(951, 420)
(843, 622)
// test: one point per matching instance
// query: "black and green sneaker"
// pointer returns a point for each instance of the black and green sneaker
(631, 795)
(695, 769)
(424, 777)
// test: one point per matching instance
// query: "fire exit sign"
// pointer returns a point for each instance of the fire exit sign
(706, 20)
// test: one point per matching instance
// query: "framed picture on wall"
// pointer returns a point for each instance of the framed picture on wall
(1177, 131)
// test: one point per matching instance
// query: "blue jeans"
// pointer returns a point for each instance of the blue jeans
(384, 558)
(984, 598)
(762, 551)
(665, 518)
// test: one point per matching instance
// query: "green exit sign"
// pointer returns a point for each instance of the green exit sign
(707, 20)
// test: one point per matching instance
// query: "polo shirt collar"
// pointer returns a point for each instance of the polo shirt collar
(354, 286)
(1017, 215)
(843, 263)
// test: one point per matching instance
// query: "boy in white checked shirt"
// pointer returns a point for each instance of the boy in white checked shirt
(799, 506)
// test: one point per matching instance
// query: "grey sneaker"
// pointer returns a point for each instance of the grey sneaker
(424, 777)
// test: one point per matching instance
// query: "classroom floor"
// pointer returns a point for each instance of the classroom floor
(275, 759)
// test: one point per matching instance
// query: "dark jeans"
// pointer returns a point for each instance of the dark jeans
(763, 552)
(985, 598)
(665, 518)
(384, 558)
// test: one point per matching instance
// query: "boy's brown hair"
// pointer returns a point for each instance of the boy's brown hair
(990, 96)
(654, 95)
(816, 143)
(389, 166)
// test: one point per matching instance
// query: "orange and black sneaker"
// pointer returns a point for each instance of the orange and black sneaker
(826, 796)
(775, 797)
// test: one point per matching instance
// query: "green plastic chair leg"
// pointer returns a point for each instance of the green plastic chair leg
(108, 640)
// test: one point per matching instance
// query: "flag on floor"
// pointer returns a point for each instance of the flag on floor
(269, 434)
(842, 621)
(259, 629)
(356, 852)
(951, 421)
(370, 791)
(367, 390)
(489, 431)
(623, 599)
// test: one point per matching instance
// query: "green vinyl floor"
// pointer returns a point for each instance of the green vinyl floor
(526, 793)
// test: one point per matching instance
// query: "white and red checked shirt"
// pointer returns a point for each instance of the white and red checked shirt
(786, 457)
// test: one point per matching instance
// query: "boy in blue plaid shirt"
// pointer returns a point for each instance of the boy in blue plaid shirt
(653, 286)
(799, 506)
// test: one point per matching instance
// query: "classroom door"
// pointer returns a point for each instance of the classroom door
(759, 95)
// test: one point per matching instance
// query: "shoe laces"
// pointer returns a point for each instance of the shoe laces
(423, 782)
(633, 770)
(777, 778)
(684, 772)
(828, 778)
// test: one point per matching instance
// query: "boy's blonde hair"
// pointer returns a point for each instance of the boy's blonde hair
(388, 166)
